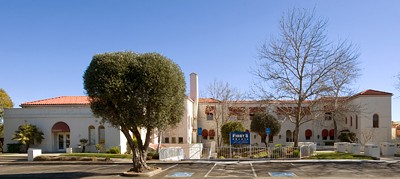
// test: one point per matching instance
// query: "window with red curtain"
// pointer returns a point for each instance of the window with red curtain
(205, 133)
(332, 134)
(211, 133)
(325, 134)
(308, 134)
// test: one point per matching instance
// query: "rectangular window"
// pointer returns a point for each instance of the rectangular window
(173, 140)
(308, 137)
(210, 116)
(180, 140)
(212, 138)
(233, 118)
(205, 137)
(325, 138)
(328, 116)
(166, 140)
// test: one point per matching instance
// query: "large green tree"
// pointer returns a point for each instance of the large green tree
(136, 91)
(261, 121)
(5, 102)
(232, 126)
(28, 134)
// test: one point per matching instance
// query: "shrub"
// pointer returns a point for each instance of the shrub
(296, 153)
(149, 156)
(347, 137)
(114, 150)
(14, 148)
(156, 156)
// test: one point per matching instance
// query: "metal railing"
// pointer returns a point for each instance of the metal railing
(259, 152)
(276, 152)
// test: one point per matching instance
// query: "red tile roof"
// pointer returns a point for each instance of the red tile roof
(208, 100)
(374, 92)
(62, 100)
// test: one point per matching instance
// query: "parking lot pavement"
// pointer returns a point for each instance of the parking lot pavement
(298, 170)
(211, 170)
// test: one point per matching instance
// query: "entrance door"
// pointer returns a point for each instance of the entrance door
(63, 141)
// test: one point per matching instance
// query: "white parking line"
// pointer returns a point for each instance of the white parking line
(210, 170)
(254, 172)
(171, 167)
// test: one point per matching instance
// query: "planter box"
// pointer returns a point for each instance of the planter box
(32, 153)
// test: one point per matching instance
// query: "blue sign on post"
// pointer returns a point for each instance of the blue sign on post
(268, 131)
(199, 131)
(239, 137)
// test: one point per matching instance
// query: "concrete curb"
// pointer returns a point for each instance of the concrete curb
(147, 174)
(129, 162)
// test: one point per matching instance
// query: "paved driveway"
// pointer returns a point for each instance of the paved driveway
(209, 170)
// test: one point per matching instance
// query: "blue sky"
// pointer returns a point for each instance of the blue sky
(45, 46)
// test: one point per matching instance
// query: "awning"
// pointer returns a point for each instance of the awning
(332, 133)
(204, 133)
(325, 133)
(308, 133)
(60, 127)
(211, 133)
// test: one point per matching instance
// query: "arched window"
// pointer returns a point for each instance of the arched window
(92, 135)
(289, 136)
(332, 134)
(375, 121)
(204, 133)
(102, 135)
(351, 120)
(356, 122)
(324, 134)
(308, 134)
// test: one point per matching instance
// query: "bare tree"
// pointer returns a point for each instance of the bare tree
(397, 85)
(227, 97)
(337, 101)
(366, 136)
(297, 65)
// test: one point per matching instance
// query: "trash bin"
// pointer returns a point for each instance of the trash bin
(355, 148)
(341, 147)
(32, 153)
(372, 150)
(388, 149)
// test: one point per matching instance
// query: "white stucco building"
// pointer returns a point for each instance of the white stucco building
(67, 119)
(372, 123)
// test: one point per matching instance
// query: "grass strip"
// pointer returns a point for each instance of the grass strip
(339, 155)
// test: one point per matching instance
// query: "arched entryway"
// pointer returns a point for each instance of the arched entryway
(61, 134)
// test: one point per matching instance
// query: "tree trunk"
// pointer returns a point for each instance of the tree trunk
(335, 131)
(296, 134)
(139, 160)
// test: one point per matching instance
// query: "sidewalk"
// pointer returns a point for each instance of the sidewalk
(15, 159)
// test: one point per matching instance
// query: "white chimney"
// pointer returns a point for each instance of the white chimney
(194, 92)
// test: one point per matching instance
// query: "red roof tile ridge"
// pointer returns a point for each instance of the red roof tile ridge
(374, 92)
(60, 100)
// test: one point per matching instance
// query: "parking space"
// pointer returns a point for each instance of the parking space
(267, 169)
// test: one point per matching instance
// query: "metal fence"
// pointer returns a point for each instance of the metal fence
(258, 152)
(276, 152)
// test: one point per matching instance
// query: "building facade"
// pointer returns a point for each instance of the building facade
(68, 119)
